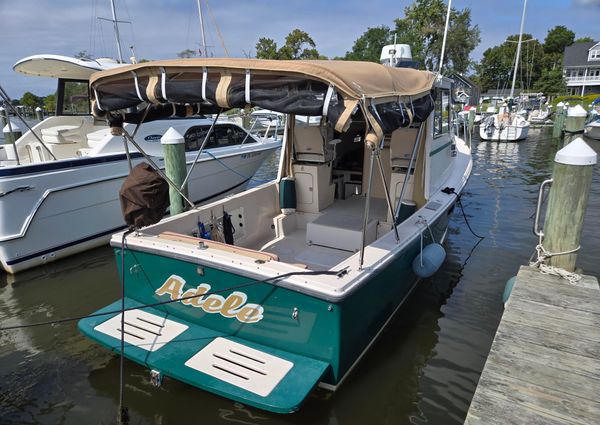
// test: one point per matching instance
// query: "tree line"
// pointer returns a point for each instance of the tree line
(422, 28)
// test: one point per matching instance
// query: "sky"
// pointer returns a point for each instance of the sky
(159, 29)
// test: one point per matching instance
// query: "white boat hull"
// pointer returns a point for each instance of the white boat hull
(592, 130)
(73, 207)
(504, 132)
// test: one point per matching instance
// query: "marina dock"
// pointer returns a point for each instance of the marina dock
(544, 363)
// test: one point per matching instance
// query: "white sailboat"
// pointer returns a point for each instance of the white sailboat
(507, 126)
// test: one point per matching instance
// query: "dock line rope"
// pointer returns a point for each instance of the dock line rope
(123, 414)
(452, 191)
(543, 254)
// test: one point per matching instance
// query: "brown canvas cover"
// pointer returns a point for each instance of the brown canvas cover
(144, 196)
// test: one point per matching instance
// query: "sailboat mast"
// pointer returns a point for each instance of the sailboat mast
(204, 51)
(116, 27)
(512, 88)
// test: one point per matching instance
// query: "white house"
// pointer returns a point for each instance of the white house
(581, 68)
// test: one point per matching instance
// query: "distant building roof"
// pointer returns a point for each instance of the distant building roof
(577, 54)
(464, 79)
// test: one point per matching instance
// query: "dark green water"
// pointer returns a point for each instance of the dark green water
(423, 369)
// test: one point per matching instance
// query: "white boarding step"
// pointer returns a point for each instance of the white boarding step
(242, 366)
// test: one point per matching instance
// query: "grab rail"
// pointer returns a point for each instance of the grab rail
(536, 230)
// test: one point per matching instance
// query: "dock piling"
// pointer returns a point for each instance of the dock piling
(3, 116)
(559, 117)
(11, 131)
(567, 202)
(175, 167)
(39, 113)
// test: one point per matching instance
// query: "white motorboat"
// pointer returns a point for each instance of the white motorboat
(592, 129)
(321, 258)
(59, 182)
(539, 116)
(263, 120)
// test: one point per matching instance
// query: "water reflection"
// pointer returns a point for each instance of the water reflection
(423, 369)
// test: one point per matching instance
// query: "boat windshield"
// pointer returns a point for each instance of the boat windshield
(72, 97)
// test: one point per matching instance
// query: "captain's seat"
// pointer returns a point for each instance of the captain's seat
(312, 168)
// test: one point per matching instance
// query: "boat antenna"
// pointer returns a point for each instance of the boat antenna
(204, 49)
(394, 52)
(512, 89)
(445, 35)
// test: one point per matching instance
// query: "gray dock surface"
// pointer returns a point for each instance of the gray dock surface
(544, 364)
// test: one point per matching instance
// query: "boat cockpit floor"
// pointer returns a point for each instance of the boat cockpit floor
(294, 249)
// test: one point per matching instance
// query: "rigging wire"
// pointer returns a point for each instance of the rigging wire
(131, 25)
(214, 22)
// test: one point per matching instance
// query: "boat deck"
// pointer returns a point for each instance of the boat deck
(544, 364)
(342, 217)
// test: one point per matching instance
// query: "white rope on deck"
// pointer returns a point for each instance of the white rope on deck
(543, 254)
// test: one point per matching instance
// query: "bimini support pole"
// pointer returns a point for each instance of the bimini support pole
(210, 130)
(373, 148)
(410, 164)
(387, 193)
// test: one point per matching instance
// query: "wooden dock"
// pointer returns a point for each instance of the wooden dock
(544, 364)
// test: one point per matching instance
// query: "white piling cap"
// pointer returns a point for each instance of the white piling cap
(13, 125)
(577, 111)
(172, 137)
(38, 109)
(560, 104)
(576, 153)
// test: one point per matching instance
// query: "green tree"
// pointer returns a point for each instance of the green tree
(551, 82)
(555, 42)
(497, 65)
(585, 40)
(30, 100)
(50, 102)
(368, 46)
(423, 29)
(84, 54)
(266, 48)
(557, 39)
(187, 53)
(298, 45)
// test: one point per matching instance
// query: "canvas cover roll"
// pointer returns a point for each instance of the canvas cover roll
(144, 196)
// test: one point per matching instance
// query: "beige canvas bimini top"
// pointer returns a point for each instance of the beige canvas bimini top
(355, 79)
(317, 87)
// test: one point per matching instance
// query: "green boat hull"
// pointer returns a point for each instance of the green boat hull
(334, 335)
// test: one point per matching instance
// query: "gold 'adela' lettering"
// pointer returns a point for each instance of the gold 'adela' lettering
(235, 305)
